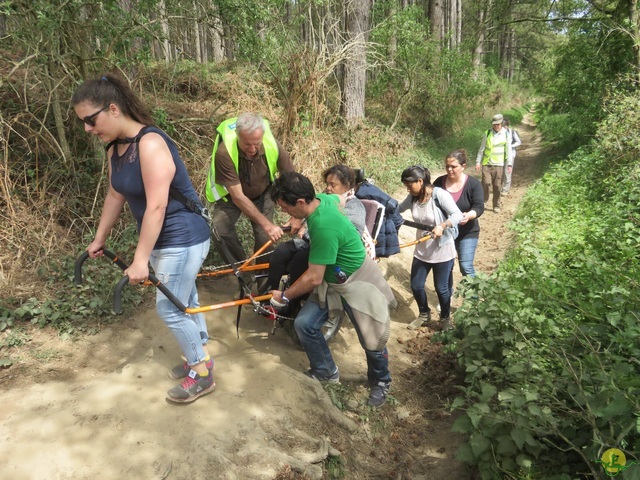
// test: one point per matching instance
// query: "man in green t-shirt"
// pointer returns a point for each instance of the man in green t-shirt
(340, 277)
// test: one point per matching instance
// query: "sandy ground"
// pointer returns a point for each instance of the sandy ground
(94, 408)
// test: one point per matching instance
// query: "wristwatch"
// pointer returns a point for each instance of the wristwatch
(284, 299)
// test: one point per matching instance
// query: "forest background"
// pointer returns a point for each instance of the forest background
(550, 355)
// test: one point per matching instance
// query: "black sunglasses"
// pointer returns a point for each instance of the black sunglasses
(90, 119)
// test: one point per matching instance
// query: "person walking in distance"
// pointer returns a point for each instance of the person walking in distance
(147, 173)
(493, 157)
(340, 277)
(515, 143)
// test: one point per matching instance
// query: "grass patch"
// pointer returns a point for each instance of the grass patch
(46, 354)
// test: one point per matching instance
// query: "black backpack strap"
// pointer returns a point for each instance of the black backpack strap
(190, 204)
(121, 141)
(173, 193)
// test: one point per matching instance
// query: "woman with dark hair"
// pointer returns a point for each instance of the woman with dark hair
(146, 172)
(293, 256)
(467, 193)
(431, 206)
(341, 180)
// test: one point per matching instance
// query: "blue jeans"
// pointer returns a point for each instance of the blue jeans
(441, 275)
(177, 269)
(308, 324)
(466, 248)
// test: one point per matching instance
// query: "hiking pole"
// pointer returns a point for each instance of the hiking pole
(419, 226)
(424, 238)
(81, 259)
(117, 294)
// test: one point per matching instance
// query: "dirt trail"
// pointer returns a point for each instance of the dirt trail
(95, 409)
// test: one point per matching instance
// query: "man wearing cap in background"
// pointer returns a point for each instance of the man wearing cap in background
(493, 156)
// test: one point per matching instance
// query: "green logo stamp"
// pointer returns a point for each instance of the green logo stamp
(614, 461)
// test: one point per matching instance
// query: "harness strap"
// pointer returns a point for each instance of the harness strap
(173, 192)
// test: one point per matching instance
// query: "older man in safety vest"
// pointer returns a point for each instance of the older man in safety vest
(245, 160)
(494, 154)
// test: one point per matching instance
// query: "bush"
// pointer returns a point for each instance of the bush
(549, 346)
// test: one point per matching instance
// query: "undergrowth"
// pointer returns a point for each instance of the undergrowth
(549, 343)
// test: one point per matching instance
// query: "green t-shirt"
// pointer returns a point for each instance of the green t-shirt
(334, 239)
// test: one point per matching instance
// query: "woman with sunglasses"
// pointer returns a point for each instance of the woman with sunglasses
(434, 207)
(468, 195)
(144, 165)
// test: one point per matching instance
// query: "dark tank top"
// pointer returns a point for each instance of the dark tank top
(181, 227)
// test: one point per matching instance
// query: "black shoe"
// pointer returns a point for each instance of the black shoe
(193, 387)
(379, 394)
(334, 378)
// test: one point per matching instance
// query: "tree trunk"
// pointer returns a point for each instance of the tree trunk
(478, 52)
(164, 24)
(216, 31)
(393, 39)
(503, 50)
(436, 19)
(357, 14)
(459, 22)
(58, 117)
(512, 56)
(196, 34)
(229, 44)
(635, 27)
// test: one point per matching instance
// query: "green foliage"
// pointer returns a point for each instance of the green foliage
(549, 343)
(70, 308)
(335, 467)
(595, 59)
(161, 118)
(15, 338)
(338, 393)
(416, 83)
(6, 319)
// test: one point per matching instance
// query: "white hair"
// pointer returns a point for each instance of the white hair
(249, 123)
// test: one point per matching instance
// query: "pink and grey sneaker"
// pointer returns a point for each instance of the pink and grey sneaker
(181, 371)
(191, 388)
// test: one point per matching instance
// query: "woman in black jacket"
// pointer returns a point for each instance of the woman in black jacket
(468, 195)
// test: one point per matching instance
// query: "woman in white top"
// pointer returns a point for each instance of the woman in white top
(431, 206)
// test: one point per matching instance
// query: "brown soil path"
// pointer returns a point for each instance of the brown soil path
(94, 408)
